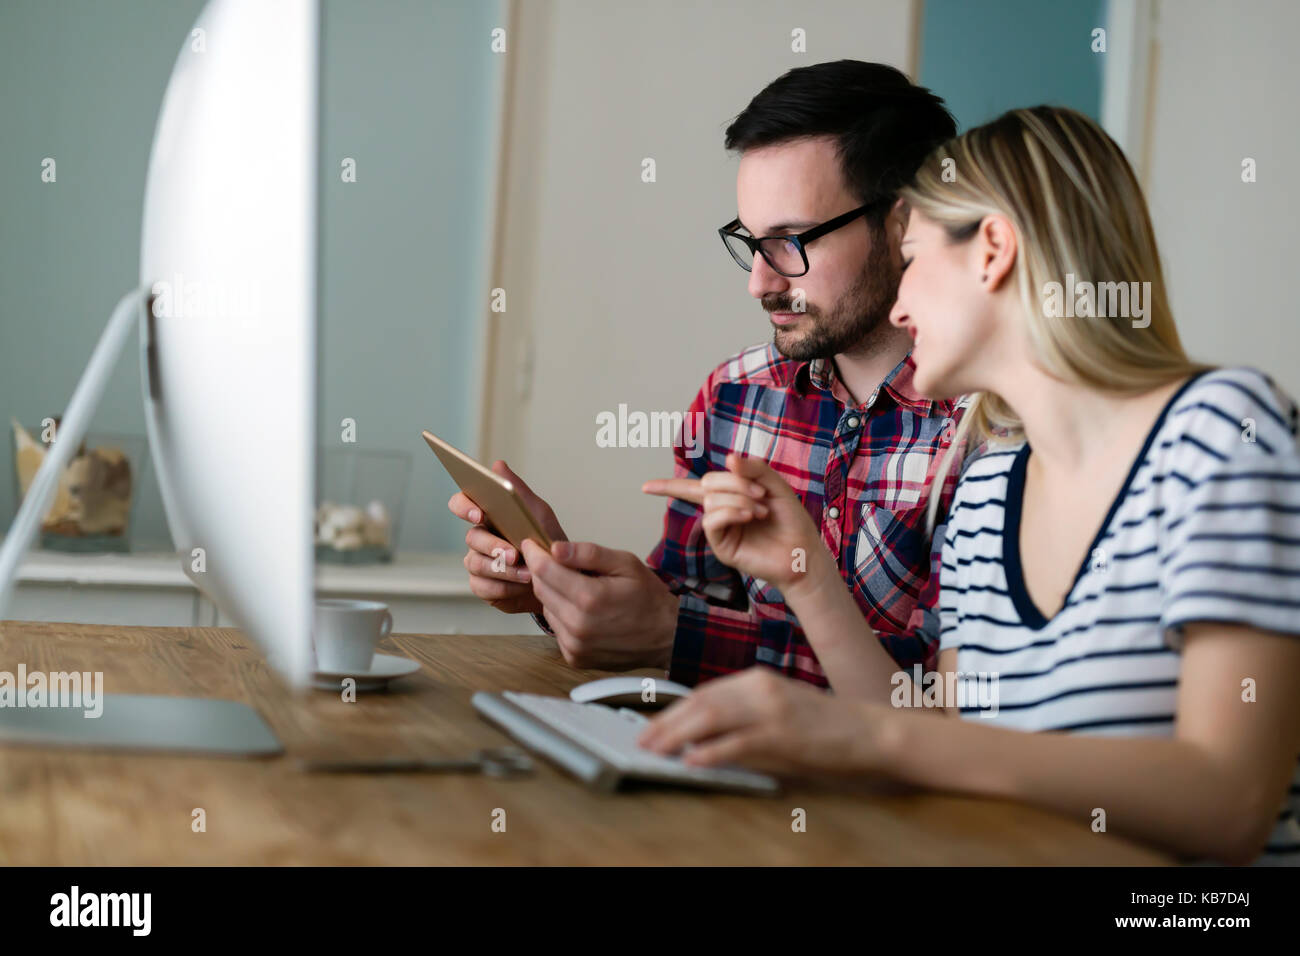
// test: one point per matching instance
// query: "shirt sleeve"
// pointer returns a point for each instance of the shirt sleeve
(948, 572)
(717, 631)
(1229, 532)
(683, 558)
(918, 643)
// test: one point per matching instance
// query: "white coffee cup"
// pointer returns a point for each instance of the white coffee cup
(346, 631)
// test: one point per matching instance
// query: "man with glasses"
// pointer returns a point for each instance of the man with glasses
(829, 403)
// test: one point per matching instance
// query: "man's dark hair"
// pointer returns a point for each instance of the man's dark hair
(884, 125)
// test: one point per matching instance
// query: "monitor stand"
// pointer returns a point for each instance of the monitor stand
(68, 436)
(138, 722)
(129, 721)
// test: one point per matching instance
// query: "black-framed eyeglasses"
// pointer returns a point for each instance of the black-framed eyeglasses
(787, 255)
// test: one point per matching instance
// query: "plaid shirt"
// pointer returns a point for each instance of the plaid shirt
(862, 472)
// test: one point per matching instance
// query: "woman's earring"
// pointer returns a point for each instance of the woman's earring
(984, 277)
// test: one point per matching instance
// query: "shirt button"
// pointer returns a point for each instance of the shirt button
(833, 511)
(854, 422)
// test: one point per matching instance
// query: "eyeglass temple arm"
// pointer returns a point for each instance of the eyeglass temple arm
(818, 231)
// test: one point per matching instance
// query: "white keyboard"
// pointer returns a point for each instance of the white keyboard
(609, 736)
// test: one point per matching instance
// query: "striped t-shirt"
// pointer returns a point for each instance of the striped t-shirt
(1205, 528)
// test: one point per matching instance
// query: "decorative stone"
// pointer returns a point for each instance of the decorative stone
(94, 492)
(350, 518)
(348, 541)
(375, 530)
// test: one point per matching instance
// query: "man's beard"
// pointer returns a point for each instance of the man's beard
(852, 323)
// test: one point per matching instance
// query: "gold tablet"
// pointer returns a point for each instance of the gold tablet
(505, 512)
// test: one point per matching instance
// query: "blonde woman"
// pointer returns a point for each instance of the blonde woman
(1121, 567)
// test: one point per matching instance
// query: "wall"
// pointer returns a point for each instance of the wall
(409, 91)
(1224, 81)
(619, 290)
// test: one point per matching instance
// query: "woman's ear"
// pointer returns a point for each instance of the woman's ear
(996, 247)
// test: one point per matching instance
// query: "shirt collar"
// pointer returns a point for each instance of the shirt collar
(898, 383)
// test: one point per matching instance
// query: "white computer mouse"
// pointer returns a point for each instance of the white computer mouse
(640, 692)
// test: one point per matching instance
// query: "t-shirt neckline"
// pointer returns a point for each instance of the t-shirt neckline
(1030, 614)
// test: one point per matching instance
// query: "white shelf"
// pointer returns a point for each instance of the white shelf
(427, 593)
(411, 573)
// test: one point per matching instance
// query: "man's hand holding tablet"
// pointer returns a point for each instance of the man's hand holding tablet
(509, 589)
(606, 607)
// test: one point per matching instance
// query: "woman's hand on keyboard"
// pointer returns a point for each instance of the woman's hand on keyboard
(760, 719)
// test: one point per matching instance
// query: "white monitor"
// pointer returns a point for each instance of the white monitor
(226, 309)
(228, 349)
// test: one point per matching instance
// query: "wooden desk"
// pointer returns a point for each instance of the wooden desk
(64, 807)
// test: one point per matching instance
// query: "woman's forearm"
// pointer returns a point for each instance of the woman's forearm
(1163, 790)
(846, 645)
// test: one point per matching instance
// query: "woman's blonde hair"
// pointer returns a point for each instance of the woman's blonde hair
(1077, 210)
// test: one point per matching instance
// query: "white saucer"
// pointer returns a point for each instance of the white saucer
(383, 668)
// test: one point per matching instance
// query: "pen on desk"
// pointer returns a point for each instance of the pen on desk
(495, 762)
